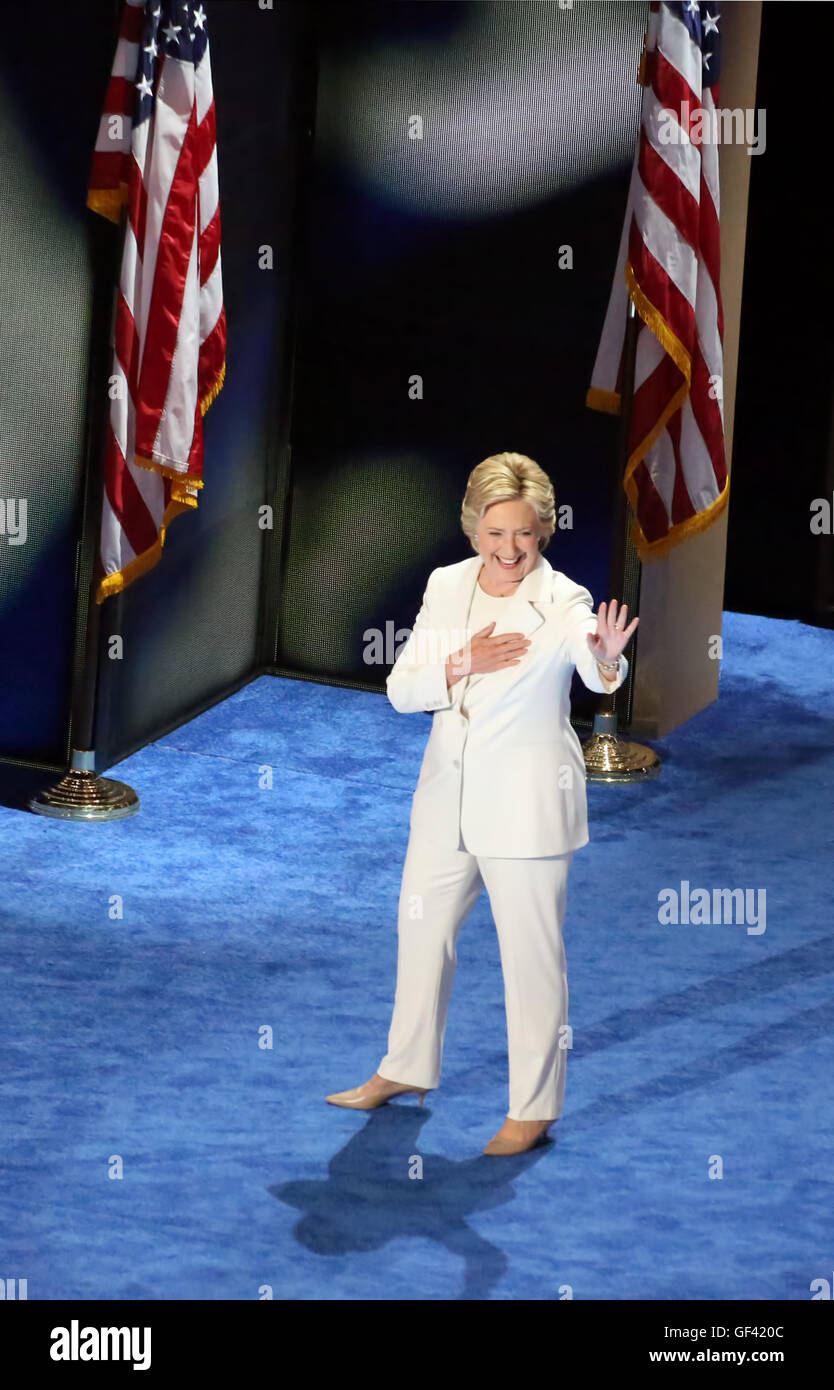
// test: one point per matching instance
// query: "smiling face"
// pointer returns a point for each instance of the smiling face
(508, 543)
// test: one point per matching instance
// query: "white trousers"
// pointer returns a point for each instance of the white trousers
(527, 898)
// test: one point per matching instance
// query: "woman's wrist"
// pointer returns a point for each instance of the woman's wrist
(610, 666)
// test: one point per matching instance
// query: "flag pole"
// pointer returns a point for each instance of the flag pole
(80, 795)
(609, 758)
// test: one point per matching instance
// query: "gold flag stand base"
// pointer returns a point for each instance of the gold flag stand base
(609, 758)
(81, 795)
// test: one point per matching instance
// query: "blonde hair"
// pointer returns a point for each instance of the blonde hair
(508, 478)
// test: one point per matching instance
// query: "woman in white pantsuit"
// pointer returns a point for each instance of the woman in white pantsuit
(501, 799)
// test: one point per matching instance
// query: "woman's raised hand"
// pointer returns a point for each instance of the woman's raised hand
(611, 635)
(483, 653)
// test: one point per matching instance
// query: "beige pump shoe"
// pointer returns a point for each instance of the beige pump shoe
(503, 1144)
(363, 1098)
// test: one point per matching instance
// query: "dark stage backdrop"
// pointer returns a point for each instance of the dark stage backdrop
(439, 257)
(783, 433)
(49, 301)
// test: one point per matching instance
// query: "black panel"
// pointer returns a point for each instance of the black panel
(48, 304)
(783, 432)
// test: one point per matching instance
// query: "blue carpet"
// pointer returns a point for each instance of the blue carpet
(139, 1038)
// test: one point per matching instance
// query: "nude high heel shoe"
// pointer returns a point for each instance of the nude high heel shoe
(501, 1144)
(361, 1098)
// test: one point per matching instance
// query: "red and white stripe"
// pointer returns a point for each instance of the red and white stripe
(170, 326)
(669, 264)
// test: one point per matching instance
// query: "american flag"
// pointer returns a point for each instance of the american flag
(156, 156)
(668, 264)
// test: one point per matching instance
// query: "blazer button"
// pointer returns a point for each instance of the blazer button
(456, 763)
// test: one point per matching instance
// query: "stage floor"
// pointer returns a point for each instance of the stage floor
(181, 990)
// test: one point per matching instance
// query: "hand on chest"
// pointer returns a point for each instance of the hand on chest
(538, 625)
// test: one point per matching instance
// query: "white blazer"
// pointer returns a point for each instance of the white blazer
(510, 780)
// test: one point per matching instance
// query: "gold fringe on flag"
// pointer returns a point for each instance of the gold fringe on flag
(181, 501)
(113, 583)
(213, 391)
(108, 201)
